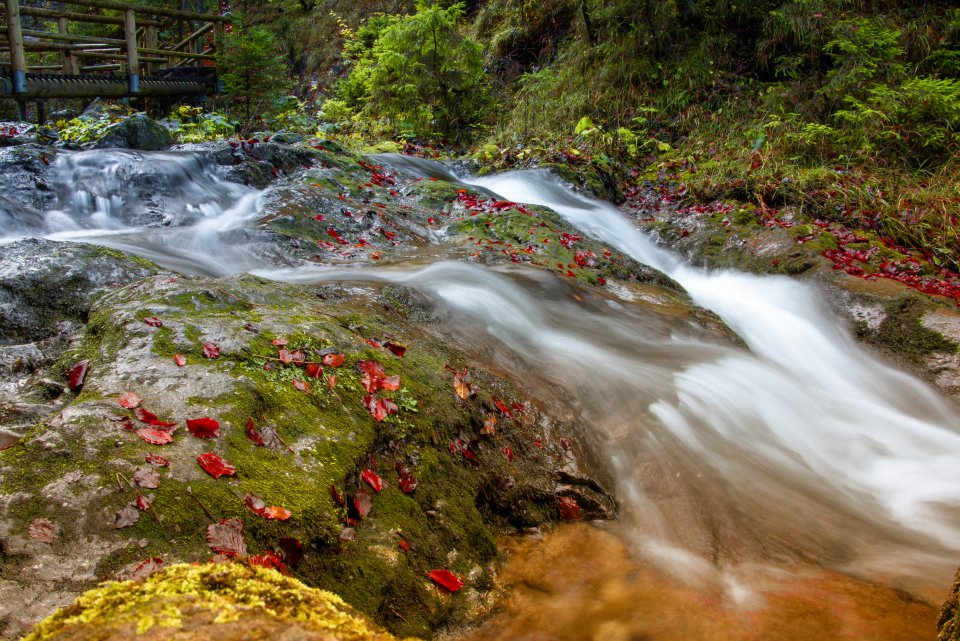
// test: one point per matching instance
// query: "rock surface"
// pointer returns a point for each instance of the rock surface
(136, 132)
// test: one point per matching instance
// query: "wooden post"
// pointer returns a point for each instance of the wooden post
(69, 60)
(133, 64)
(18, 60)
(150, 40)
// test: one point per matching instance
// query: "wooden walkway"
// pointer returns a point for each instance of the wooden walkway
(145, 59)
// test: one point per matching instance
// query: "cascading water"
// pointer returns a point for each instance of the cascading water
(802, 447)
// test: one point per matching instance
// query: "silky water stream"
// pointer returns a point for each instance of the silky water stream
(795, 489)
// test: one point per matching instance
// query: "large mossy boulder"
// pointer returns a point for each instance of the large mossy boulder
(136, 132)
(222, 602)
(486, 458)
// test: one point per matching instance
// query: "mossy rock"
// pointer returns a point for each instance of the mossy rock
(76, 469)
(224, 601)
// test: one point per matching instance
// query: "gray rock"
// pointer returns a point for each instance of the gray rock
(43, 283)
(136, 132)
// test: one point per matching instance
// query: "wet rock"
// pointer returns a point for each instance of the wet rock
(43, 283)
(226, 601)
(948, 626)
(258, 163)
(25, 185)
(136, 132)
(321, 442)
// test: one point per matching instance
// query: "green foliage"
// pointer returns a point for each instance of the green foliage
(863, 50)
(191, 124)
(416, 73)
(255, 75)
(91, 127)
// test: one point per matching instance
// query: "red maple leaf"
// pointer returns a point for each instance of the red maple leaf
(203, 427)
(446, 578)
(398, 349)
(153, 321)
(159, 461)
(210, 350)
(362, 503)
(301, 385)
(370, 478)
(333, 360)
(146, 568)
(215, 466)
(226, 537)
(180, 360)
(77, 374)
(129, 400)
(155, 437)
(569, 508)
(254, 434)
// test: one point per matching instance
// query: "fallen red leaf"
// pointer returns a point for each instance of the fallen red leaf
(569, 508)
(146, 568)
(507, 452)
(159, 461)
(396, 348)
(126, 516)
(362, 503)
(129, 400)
(285, 356)
(291, 550)
(144, 502)
(408, 484)
(42, 530)
(391, 383)
(336, 496)
(314, 370)
(280, 342)
(147, 477)
(254, 434)
(269, 560)
(332, 381)
(153, 321)
(210, 350)
(333, 360)
(301, 385)
(277, 513)
(155, 437)
(502, 407)
(180, 360)
(404, 545)
(77, 374)
(203, 427)
(489, 425)
(215, 466)
(226, 537)
(370, 478)
(446, 578)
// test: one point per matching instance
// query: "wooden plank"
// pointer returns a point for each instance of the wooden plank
(196, 34)
(49, 35)
(178, 54)
(18, 59)
(82, 17)
(149, 11)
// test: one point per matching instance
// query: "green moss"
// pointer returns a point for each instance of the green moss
(903, 331)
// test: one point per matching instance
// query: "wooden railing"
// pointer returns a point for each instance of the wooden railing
(138, 54)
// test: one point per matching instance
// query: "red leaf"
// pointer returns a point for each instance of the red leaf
(130, 400)
(408, 484)
(302, 386)
(155, 437)
(298, 357)
(254, 434)
(180, 360)
(153, 321)
(203, 427)
(215, 466)
(226, 537)
(375, 407)
(147, 477)
(291, 550)
(314, 370)
(277, 513)
(370, 478)
(146, 568)
(77, 374)
(396, 348)
(336, 496)
(332, 381)
(446, 578)
(255, 503)
(502, 407)
(144, 502)
(391, 383)
(507, 452)
(269, 560)
(153, 459)
(280, 342)
(126, 516)
(404, 545)
(145, 416)
(210, 350)
(489, 425)
(285, 356)
(462, 382)
(42, 530)
(569, 508)
(333, 360)
(362, 503)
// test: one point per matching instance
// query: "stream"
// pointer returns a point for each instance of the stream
(736, 468)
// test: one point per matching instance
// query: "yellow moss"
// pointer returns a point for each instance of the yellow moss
(214, 594)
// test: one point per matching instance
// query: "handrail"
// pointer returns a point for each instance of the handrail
(156, 11)
(82, 17)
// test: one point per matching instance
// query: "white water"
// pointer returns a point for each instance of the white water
(802, 447)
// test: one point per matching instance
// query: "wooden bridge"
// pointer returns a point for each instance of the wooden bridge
(134, 65)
